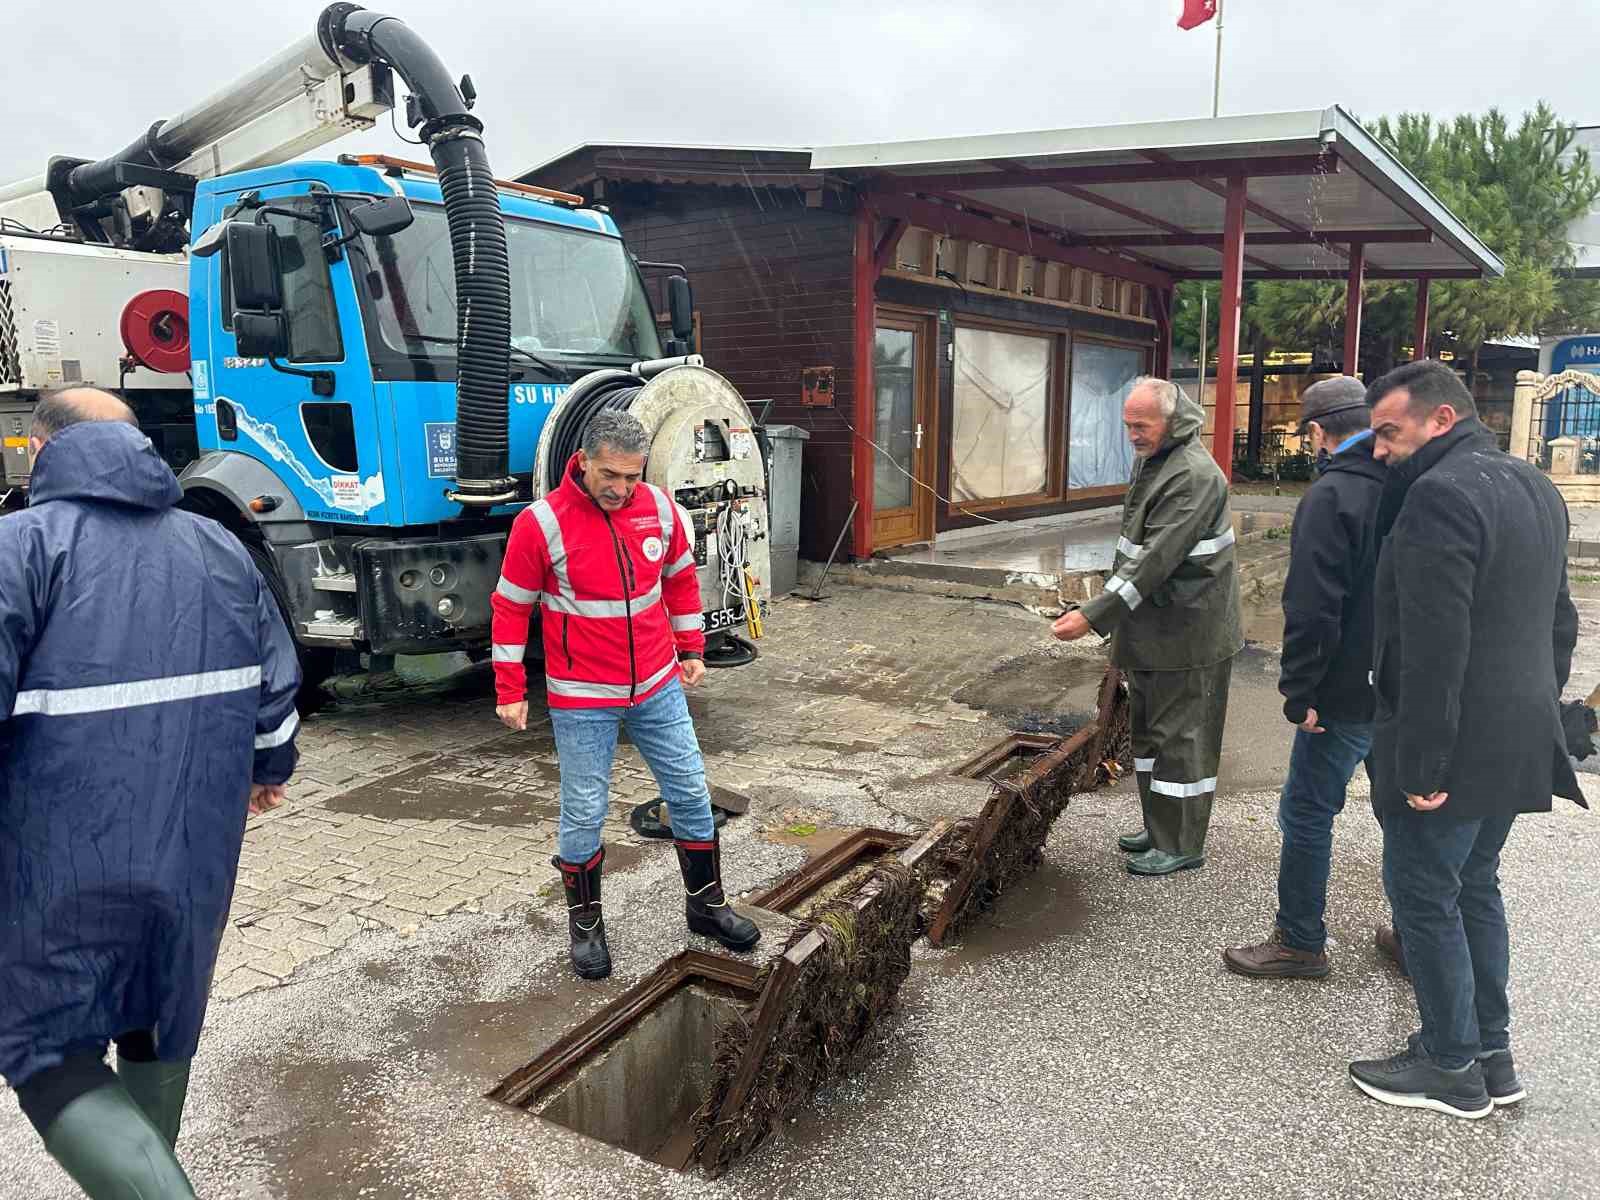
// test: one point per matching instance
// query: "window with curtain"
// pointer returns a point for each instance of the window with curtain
(1000, 433)
(1098, 454)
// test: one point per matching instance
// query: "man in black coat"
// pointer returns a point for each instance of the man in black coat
(1473, 644)
(1327, 659)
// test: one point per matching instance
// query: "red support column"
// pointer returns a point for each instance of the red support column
(861, 457)
(1161, 308)
(1419, 336)
(1352, 309)
(1228, 327)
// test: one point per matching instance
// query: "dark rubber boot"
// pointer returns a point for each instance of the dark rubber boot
(112, 1151)
(1134, 843)
(591, 957)
(159, 1089)
(706, 908)
(1159, 862)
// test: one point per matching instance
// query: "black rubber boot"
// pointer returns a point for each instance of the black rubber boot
(591, 957)
(706, 908)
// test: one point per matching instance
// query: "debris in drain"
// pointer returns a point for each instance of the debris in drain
(989, 853)
(700, 1061)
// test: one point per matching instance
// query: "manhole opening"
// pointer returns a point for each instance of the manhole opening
(635, 1073)
(642, 1092)
(1009, 758)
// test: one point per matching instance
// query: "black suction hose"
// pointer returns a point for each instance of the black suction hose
(617, 392)
(477, 239)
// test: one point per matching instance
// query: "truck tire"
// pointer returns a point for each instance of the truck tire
(316, 663)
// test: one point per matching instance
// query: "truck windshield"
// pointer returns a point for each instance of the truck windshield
(573, 294)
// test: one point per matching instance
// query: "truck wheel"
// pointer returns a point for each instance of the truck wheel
(316, 663)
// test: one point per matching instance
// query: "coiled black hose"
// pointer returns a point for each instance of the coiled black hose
(483, 314)
(618, 392)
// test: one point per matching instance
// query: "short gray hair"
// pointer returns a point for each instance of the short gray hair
(617, 429)
(1166, 392)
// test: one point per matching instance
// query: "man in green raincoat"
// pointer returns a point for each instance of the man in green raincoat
(1171, 609)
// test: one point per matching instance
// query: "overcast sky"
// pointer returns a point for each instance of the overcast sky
(551, 75)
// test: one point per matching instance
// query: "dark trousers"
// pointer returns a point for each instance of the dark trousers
(1443, 880)
(1320, 767)
(1177, 719)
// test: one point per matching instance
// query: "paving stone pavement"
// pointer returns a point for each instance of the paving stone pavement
(412, 805)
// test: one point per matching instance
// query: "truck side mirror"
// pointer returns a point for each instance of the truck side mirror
(255, 268)
(382, 217)
(680, 303)
(261, 335)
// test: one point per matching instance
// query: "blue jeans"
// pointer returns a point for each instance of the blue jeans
(1320, 767)
(586, 741)
(1443, 880)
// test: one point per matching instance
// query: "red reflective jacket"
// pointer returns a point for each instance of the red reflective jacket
(619, 591)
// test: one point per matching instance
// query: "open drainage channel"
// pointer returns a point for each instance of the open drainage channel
(697, 1063)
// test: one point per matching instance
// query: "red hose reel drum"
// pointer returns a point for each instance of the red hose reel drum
(155, 329)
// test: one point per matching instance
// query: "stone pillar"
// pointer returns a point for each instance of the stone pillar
(1522, 416)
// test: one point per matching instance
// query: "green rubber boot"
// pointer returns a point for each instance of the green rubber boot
(159, 1088)
(112, 1151)
(1159, 862)
(1134, 843)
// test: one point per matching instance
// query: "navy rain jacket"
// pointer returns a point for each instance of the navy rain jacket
(147, 679)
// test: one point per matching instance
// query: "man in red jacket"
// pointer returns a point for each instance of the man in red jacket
(611, 560)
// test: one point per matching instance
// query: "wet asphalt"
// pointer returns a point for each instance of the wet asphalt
(1082, 1040)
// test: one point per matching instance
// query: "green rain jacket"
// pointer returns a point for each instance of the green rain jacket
(1171, 602)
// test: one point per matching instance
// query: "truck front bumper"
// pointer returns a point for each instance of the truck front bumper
(424, 597)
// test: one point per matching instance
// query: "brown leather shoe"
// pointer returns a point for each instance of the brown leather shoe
(1388, 943)
(1272, 959)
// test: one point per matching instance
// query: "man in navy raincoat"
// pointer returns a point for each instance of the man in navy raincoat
(147, 690)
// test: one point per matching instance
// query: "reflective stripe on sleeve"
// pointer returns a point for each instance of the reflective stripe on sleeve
(1213, 545)
(508, 652)
(1121, 588)
(285, 730)
(515, 594)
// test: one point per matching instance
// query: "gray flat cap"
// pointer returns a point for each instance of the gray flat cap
(1329, 396)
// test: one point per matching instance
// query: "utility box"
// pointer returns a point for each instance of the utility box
(1565, 455)
(16, 422)
(783, 503)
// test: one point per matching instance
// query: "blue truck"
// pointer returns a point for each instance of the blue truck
(365, 367)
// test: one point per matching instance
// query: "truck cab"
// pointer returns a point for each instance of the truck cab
(335, 463)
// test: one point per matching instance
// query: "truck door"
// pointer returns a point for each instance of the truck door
(319, 432)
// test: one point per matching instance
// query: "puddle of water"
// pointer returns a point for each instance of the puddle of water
(1045, 905)
(442, 789)
(1038, 692)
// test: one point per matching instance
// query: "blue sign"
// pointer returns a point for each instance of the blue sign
(1576, 353)
(441, 438)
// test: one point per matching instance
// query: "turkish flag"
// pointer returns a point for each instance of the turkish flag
(1197, 12)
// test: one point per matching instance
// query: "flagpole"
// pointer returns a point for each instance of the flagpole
(1216, 76)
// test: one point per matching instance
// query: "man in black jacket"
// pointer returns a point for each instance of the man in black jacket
(1327, 657)
(1473, 643)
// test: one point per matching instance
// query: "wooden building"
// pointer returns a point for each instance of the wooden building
(957, 322)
